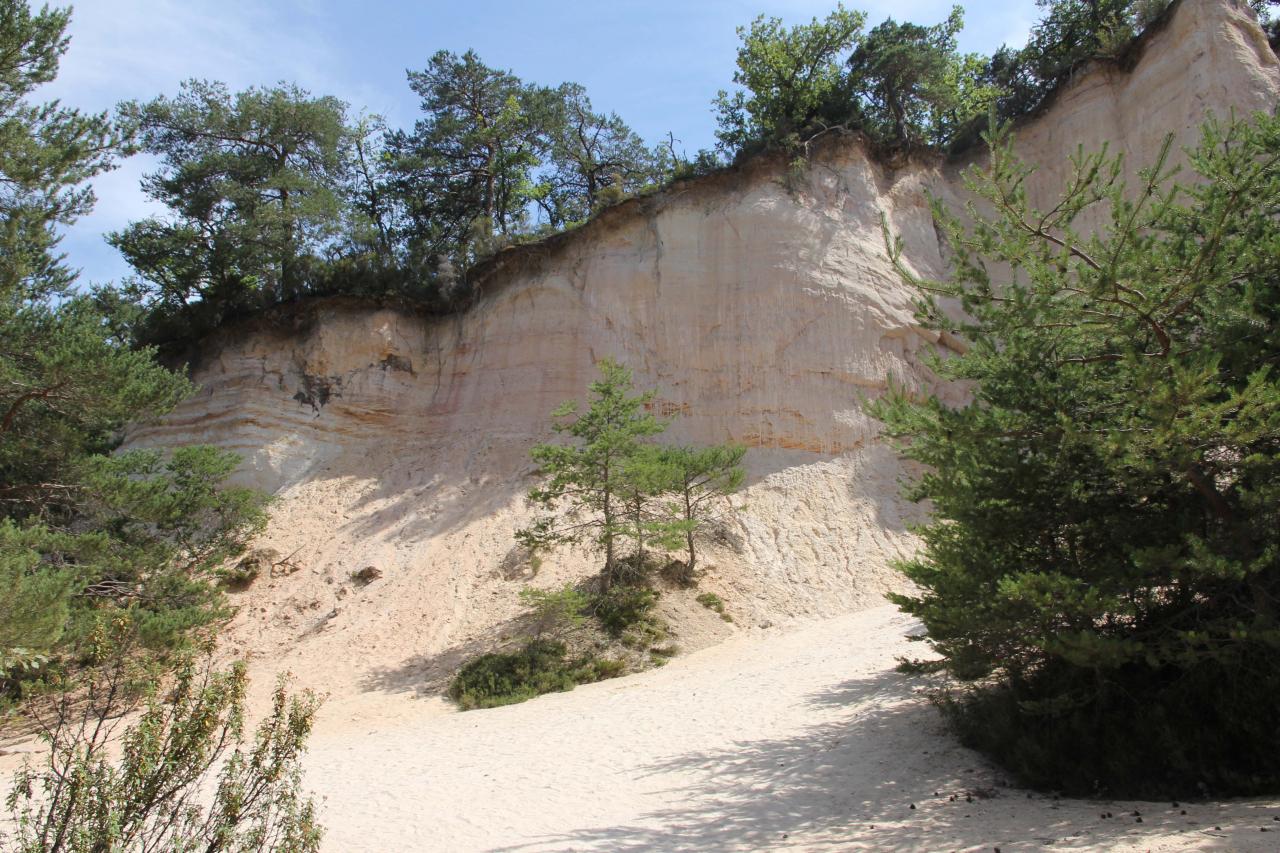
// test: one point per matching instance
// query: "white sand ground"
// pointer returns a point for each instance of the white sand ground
(802, 741)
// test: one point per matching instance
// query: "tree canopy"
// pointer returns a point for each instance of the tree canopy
(907, 85)
(914, 85)
(85, 537)
(254, 186)
(1102, 562)
(791, 80)
(273, 194)
(613, 483)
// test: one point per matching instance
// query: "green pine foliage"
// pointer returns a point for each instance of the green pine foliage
(253, 183)
(85, 535)
(612, 485)
(914, 86)
(273, 194)
(555, 612)
(145, 540)
(35, 603)
(1104, 563)
(791, 81)
(569, 634)
(614, 489)
(47, 154)
(907, 86)
(901, 84)
(584, 499)
(701, 479)
(623, 606)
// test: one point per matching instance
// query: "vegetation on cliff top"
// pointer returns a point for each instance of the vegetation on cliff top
(273, 194)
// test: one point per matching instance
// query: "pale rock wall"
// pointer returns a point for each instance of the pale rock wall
(763, 315)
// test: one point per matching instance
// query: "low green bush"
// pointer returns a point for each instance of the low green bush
(540, 666)
(644, 634)
(1148, 734)
(620, 607)
(711, 601)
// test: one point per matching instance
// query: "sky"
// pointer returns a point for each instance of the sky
(657, 63)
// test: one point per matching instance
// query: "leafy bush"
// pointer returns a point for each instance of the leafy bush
(83, 800)
(506, 678)
(620, 607)
(711, 601)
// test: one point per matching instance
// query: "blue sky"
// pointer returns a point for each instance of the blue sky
(657, 63)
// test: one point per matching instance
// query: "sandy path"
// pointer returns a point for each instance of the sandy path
(806, 741)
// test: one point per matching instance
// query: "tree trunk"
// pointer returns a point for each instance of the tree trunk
(607, 575)
(639, 534)
(490, 190)
(688, 516)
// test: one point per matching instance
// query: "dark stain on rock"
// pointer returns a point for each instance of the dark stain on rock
(398, 363)
(318, 390)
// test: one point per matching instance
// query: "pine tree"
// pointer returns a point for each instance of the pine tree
(583, 497)
(701, 479)
(644, 477)
(47, 153)
(1103, 561)
(82, 532)
(255, 183)
(792, 81)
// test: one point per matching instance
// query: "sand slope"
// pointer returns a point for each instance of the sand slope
(804, 741)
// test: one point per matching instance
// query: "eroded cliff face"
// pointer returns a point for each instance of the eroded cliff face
(764, 315)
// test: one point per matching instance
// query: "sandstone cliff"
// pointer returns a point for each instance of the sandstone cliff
(763, 314)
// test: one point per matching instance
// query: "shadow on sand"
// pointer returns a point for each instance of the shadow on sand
(429, 675)
(863, 783)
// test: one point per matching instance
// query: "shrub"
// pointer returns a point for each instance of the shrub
(506, 678)
(644, 634)
(1103, 563)
(620, 607)
(238, 577)
(711, 601)
(555, 611)
(83, 799)
(247, 569)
